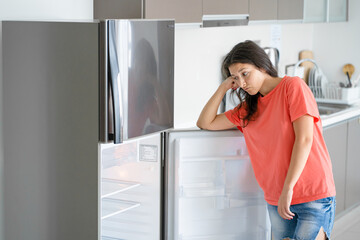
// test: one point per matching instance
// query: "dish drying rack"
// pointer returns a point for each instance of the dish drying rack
(325, 92)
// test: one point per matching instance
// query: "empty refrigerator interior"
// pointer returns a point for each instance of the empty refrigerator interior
(214, 194)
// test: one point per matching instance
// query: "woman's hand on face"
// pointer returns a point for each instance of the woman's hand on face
(229, 83)
(284, 205)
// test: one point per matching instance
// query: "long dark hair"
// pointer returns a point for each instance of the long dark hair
(250, 53)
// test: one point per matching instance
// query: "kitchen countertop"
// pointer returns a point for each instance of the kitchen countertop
(328, 120)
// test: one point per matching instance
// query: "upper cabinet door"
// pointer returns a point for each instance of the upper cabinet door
(338, 10)
(113, 9)
(290, 9)
(315, 10)
(263, 9)
(183, 11)
(225, 7)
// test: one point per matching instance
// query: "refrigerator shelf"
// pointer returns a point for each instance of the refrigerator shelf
(246, 235)
(225, 202)
(111, 207)
(211, 158)
(193, 192)
(207, 189)
(110, 187)
(109, 238)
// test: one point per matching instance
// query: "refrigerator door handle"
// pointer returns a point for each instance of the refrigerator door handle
(103, 84)
(117, 98)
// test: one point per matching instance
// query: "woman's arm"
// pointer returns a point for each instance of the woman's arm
(209, 119)
(303, 128)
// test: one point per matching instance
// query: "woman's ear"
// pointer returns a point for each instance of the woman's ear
(262, 70)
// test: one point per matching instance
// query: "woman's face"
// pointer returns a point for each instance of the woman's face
(247, 77)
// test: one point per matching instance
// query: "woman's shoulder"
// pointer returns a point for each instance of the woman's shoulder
(294, 82)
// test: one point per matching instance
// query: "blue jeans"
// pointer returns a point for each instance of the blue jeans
(309, 218)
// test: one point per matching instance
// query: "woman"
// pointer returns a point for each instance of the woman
(282, 128)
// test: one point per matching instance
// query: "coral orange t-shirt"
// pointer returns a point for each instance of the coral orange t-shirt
(270, 139)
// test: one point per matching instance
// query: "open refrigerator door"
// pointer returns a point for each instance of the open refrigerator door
(130, 189)
(210, 189)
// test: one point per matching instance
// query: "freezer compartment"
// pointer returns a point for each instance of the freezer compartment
(130, 189)
(212, 192)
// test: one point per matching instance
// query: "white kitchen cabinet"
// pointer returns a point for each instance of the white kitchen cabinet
(336, 141)
(225, 7)
(338, 10)
(352, 196)
(325, 10)
(315, 10)
(308, 10)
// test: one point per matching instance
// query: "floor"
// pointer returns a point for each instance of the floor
(347, 227)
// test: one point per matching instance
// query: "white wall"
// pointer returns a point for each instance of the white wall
(36, 10)
(46, 9)
(337, 44)
(198, 56)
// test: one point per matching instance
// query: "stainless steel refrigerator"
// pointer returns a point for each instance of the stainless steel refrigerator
(64, 176)
(71, 89)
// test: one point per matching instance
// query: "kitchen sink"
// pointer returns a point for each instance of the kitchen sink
(330, 109)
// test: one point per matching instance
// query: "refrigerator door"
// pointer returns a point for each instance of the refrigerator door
(50, 130)
(141, 77)
(211, 191)
(130, 189)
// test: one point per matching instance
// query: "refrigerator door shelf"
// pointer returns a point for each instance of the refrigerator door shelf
(258, 234)
(111, 187)
(111, 207)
